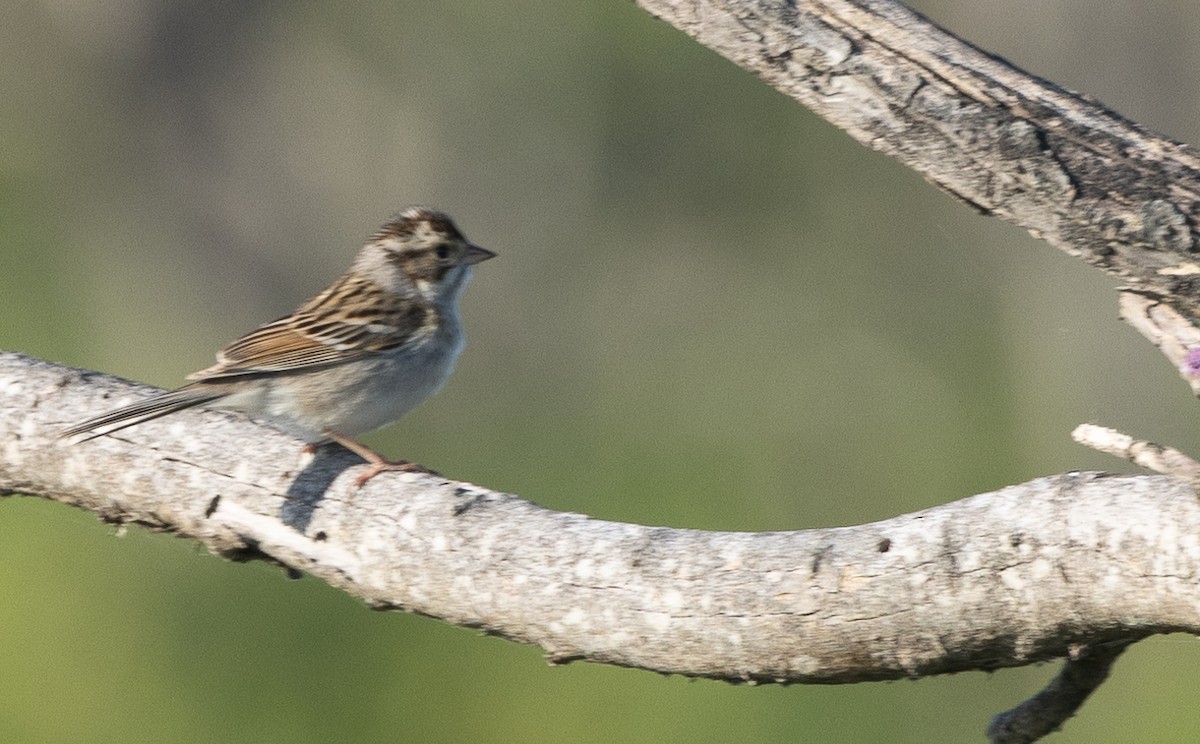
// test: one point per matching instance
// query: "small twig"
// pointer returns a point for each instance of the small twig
(1048, 710)
(1156, 457)
(1172, 333)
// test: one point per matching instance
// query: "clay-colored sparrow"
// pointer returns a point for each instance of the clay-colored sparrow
(358, 356)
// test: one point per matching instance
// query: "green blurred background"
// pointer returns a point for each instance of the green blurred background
(711, 309)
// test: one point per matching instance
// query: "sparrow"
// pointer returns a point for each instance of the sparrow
(379, 341)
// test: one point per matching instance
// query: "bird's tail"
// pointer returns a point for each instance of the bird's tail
(151, 408)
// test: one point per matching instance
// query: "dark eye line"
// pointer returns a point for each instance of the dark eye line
(443, 252)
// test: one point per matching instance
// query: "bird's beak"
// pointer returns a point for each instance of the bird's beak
(475, 255)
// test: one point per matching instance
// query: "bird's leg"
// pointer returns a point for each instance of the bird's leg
(378, 462)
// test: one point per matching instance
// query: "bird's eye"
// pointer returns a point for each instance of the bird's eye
(443, 252)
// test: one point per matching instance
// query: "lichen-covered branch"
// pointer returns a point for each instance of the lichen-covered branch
(1002, 579)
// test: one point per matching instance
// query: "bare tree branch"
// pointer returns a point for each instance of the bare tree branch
(1064, 167)
(1002, 579)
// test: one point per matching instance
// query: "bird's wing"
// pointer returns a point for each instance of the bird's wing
(352, 319)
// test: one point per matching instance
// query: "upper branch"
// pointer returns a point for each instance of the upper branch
(1062, 166)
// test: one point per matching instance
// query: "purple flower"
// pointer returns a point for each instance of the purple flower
(1191, 366)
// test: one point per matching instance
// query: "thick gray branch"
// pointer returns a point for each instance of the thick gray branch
(1060, 165)
(1002, 579)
